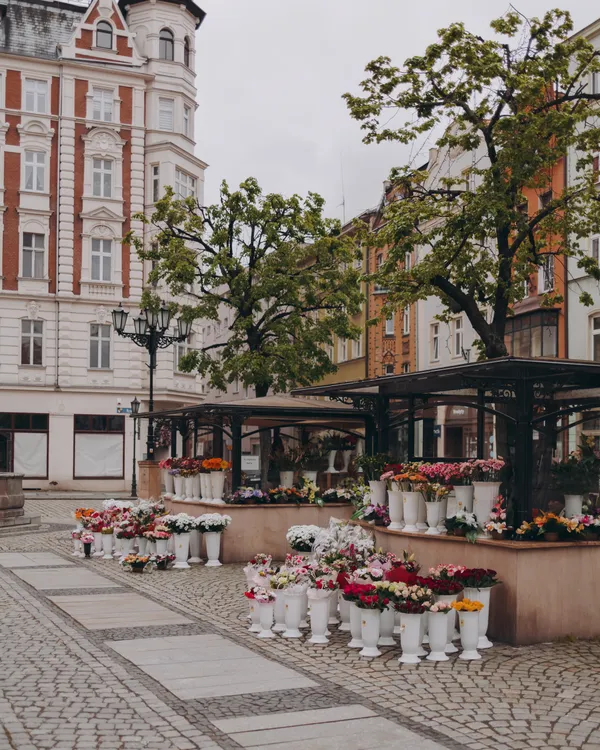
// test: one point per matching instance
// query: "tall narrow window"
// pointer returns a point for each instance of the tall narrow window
(155, 183)
(435, 342)
(99, 346)
(32, 342)
(102, 101)
(357, 348)
(36, 96)
(181, 349)
(166, 45)
(388, 369)
(236, 385)
(35, 171)
(101, 260)
(104, 35)
(406, 367)
(102, 178)
(458, 337)
(407, 261)
(343, 350)
(185, 184)
(389, 326)
(406, 321)
(165, 114)
(33, 255)
(187, 114)
(186, 52)
(546, 275)
(596, 338)
(596, 249)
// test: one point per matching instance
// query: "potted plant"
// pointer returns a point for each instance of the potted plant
(348, 447)
(351, 593)
(287, 461)
(413, 500)
(464, 524)
(164, 562)
(439, 631)
(265, 600)
(107, 542)
(486, 482)
(292, 583)
(322, 585)
(332, 443)
(395, 496)
(577, 475)
(478, 583)
(177, 479)
(212, 525)
(313, 460)
(167, 478)
(412, 602)
(462, 482)
(387, 620)
(434, 494)
(87, 540)
(376, 514)
(217, 468)
(446, 589)
(138, 563)
(373, 467)
(254, 612)
(496, 526)
(302, 538)
(468, 617)
(180, 525)
(370, 605)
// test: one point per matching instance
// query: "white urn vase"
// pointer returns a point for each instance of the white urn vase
(483, 596)
(279, 613)
(469, 635)
(443, 515)
(196, 487)
(437, 623)
(212, 539)
(319, 614)
(370, 624)
(195, 543)
(378, 491)
(188, 488)
(410, 638)
(117, 547)
(161, 546)
(254, 616)
(286, 478)
(344, 607)
(484, 499)
(347, 455)
(178, 487)
(396, 509)
(422, 515)
(331, 468)
(464, 498)
(98, 544)
(182, 551)
(412, 502)
(217, 483)
(310, 476)
(452, 633)
(265, 617)
(168, 482)
(433, 518)
(386, 627)
(355, 626)
(107, 546)
(573, 505)
(293, 614)
(205, 488)
(333, 611)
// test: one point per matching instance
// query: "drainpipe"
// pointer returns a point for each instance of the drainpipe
(56, 298)
(566, 272)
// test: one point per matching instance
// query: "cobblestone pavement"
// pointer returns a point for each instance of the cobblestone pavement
(62, 687)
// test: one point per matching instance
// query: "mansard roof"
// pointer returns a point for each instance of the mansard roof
(35, 28)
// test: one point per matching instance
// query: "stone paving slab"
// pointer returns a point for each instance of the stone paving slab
(293, 719)
(67, 578)
(31, 560)
(116, 611)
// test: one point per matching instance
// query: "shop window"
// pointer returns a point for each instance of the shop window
(533, 334)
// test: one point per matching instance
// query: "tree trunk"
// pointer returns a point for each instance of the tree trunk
(265, 444)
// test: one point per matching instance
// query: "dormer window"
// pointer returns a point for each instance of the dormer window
(186, 52)
(166, 46)
(104, 35)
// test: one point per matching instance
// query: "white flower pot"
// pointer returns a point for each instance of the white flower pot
(205, 487)
(483, 596)
(333, 610)
(310, 476)
(573, 505)
(151, 547)
(452, 633)
(304, 611)
(127, 547)
(347, 455)
(195, 544)
(421, 651)
(141, 544)
(279, 613)
(484, 499)
(212, 540)
(443, 515)
(410, 638)
(178, 487)
(286, 478)
(397, 626)
(412, 502)
(319, 614)
(168, 482)
(469, 635)
(182, 551)
(77, 548)
(217, 483)
(196, 487)
(378, 491)
(438, 636)
(161, 546)
(370, 624)
(188, 488)
(107, 546)
(433, 518)
(355, 626)
(396, 510)
(265, 614)
(344, 612)
(293, 613)
(422, 514)
(464, 497)
(254, 616)
(98, 544)
(331, 468)
(386, 627)
(118, 546)
(171, 544)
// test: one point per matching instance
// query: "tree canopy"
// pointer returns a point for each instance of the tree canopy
(282, 275)
(519, 102)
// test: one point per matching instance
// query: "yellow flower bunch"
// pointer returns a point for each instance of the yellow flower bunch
(467, 605)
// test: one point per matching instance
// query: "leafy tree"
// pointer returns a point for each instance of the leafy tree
(520, 101)
(280, 273)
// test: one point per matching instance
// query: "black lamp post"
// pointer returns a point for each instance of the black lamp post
(135, 410)
(149, 332)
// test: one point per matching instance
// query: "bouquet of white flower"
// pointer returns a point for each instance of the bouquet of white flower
(302, 538)
(216, 522)
(180, 523)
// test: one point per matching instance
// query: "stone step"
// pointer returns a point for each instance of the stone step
(21, 523)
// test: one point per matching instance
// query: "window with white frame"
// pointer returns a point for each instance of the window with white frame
(102, 105)
(407, 261)
(101, 268)
(187, 120)
(186, 52)
(405, 367)
(389, 326)
(343, 350)
(34, 247)
(181, 349)
(378, 266)
(596, 338)
(546, 275)
(357, 348)
(185, 184)
(32, 342)
(434, 351)
(595, 248)
(457, 337)
(166, 45)
(102, 178)
(36, 96)
(155, 183)
(99, 346)
(35, 171)
(236, 385)
(104, 35)
(166, 108)
(329, 351)
(406, 321)
(389, 369)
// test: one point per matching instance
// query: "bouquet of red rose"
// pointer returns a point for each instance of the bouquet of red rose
(477, 578)
(441, 586)
(353, 591)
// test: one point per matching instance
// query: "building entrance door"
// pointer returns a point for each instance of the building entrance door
(5, 452)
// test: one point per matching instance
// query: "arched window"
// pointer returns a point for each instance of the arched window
(104, 35)
(186, 52)
(166, 47)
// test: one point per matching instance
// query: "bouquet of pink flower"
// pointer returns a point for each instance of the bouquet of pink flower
(487, 469)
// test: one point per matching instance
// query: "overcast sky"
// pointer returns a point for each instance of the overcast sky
(271, 74)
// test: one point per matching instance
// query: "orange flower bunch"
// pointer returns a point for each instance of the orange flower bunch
(215, 464)
(83, 513)
(467, 605)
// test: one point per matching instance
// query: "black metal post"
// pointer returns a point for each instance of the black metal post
(383, 424)
(173, 438)
(217, 447)
(195, 451)
(152, 347)
(523, 465)
(410, 447)
(370, 435)
(480, 424)
(134, 465)
(236, 453)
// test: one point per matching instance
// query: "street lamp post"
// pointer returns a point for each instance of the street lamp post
(149, 333)
(135, 410)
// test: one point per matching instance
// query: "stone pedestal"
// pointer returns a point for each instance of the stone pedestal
(12, 498)
(149, 480)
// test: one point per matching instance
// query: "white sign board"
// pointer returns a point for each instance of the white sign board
(250, 463)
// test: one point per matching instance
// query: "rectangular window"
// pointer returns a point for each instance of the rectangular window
(407, 261)
(102, 101)
(532, 334)
(406, 321)
(165, 114)
(406, 367)
(181, 349)
(545, 198)
(35, 171)
(102, 178)
(99, 347)
(101, 260)
(458, 337)
(329, 351)
(187, 120)
(155, 183)
(185, 184)
(98, 448)
(343, 350)
(33, 255)
(596, 338)
(435, 342)
(236, 385)
(546, 275)
(357, 348)
(32, 342)
(389, 326)
(596, 249)
(378, 266)
(36, 96)
(388, 369)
